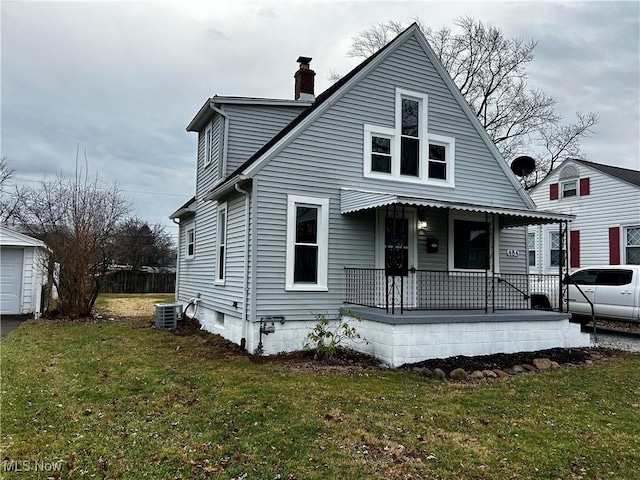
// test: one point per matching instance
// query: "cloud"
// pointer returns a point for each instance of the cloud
(123, 79)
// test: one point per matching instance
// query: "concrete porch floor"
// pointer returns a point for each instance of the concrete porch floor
(452, 316)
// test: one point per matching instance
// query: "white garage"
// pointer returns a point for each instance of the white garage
(21, 273)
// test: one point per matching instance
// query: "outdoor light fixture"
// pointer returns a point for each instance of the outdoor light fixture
(422, 224)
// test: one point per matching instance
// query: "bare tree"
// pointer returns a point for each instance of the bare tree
(137, 244)
(76, 218)
(491, 72)
(8, 201)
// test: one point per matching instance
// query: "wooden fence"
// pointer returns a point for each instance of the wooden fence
(139, 282)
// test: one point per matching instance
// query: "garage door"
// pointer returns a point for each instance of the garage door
(10, 280)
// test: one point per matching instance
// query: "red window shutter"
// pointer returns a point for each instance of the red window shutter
(585, 187)
(574, 248)
(614, 246)
(553, 191)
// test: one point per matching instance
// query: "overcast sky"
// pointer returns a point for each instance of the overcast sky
(123, 79)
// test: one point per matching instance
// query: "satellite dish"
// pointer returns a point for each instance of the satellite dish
(523, 165)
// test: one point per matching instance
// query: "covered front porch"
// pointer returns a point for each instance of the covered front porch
(430, 254)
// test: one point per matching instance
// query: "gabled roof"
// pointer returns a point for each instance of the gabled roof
(252, 165)
(10, 237)
(624, 174)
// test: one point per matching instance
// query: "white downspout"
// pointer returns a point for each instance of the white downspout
(176, 292)
(245, 280)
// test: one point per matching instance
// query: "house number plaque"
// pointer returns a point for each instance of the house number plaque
(513, 253)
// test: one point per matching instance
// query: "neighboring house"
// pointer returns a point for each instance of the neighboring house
(383, 195)
(606, 203)
(22, 273)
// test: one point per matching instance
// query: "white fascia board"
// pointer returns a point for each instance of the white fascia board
(9, 237)
(455, 91)
(259, 164)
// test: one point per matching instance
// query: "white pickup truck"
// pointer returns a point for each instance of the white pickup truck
(614, 291)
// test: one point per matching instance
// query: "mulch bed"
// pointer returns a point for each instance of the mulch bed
(348, 360)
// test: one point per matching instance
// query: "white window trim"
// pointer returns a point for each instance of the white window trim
(495, 234)
(565, 182)
(294, 201)
(187, 243)
(222, 208)
(425, 138)
(535, 249)
(551, 268)
(208, 145)
(373, 131)
(623, 242)
(450, 154)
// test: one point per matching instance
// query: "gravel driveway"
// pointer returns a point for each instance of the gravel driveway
(620, 342)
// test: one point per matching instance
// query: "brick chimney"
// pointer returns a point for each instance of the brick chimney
(304, 80)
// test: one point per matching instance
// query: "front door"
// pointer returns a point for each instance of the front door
(396, 253)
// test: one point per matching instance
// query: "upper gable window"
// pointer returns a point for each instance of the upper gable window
(381, 146)
(569, 189)
(408, 152)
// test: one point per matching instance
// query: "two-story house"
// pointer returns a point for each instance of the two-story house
(382, 196)
(606, 203)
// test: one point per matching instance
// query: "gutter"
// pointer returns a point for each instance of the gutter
(225, 187)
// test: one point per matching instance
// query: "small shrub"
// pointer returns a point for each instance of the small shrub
(328, 335)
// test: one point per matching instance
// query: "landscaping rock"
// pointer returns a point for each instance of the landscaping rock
(458, 374)
(542, 363)
(439, 374)
(500, 373)
(518, 369)
(476, 374)
(425, 372)
(555, 365)
(529, 368)
(489, 373)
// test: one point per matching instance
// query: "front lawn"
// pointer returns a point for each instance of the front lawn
(120, 399)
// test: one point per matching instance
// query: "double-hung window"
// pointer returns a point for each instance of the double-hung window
(221, 243)
(381, 153)
(190, 248)
(410, 130)
(531, 249)
(632, 245)
(408, 152)
(307, 243)
(554, 249)
(569, 189)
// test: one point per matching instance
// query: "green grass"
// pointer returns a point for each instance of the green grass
(119, 399)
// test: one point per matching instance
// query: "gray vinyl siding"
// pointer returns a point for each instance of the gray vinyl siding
(610, 203)
(198, 275)
(329, 155)
(209, 174)
(437, 228)
(513, 239)
(251, 126)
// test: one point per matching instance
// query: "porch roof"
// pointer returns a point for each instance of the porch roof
(355, 200)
